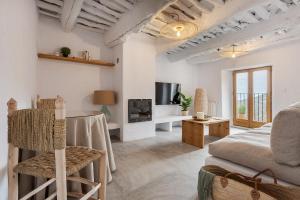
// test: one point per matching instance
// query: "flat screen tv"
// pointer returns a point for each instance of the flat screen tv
(167, 93)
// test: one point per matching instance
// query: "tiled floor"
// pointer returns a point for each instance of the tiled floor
(158, 168)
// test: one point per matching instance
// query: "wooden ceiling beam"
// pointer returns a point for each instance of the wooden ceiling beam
(107, 10)
(187, 10)
(70, 13)
(89, 28)
(48, 6)
(49, 14)
(181, 16)
(92, 24)
(132, 21)
(125, 4)
(56, 2)
(151, 26)
(158, 23)
(151, 31)
(217, 2)
(95, 18)
(113, 5)
(96, 12)
(251, 31)
(203, 5)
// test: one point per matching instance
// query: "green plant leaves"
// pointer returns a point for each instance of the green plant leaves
(186, 101)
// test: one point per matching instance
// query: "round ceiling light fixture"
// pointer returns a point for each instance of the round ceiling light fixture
(232, 53)
(178, 30)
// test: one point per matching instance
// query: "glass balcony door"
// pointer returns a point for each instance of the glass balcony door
(252, 97)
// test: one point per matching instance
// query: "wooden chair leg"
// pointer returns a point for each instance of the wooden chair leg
(13, 155)
(102, 177)
(61, 179)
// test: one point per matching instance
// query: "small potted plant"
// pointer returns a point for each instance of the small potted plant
(185, 103)
(65, 51)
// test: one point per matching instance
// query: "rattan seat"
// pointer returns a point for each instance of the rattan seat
(43, 165)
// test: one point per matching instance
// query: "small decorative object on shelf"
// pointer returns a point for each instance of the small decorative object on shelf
(65, 51)
(185, 103)
(76, 59)
(86, 55)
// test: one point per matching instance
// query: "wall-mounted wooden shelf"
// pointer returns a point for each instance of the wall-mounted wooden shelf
(76, 59)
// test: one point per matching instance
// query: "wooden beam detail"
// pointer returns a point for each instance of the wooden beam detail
(92, 24)
(187, 10)
(251, 31)
(125, 3)
(217, 2)
(56, 2)
(113, 5)
(95, 18)
(70, 12)
(90, 28)
(49, 14)
(132, 21)
(203, 6)
(103, 8)
(48, 6)
(96, 12)
(178, 12)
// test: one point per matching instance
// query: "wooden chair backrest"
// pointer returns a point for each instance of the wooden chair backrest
(37, 129)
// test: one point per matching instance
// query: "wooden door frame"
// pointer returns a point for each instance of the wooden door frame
(250, 123)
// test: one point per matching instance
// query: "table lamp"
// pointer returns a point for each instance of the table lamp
(104, 98)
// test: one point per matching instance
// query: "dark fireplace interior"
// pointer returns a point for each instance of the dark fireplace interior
(139, 110)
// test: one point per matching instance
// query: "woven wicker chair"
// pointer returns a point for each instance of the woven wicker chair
(44, 130)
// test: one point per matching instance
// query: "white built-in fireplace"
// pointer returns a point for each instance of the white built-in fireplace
(139, 110)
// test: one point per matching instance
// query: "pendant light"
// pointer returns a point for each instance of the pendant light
(179, 29)
(232, 53)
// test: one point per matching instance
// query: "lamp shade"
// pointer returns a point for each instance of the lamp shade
(104, 97)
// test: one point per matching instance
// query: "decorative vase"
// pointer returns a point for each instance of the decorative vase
(184, 112)
(201, 101)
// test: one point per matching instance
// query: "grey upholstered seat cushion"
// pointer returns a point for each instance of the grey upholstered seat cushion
(285, 136)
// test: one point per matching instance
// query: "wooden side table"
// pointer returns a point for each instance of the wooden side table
(193, 130)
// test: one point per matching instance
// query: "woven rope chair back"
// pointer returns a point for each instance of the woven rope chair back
(36, 129)
(45, 103)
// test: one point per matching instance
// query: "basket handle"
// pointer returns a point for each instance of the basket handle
(255, 195)
(240, 175)
(264, 171)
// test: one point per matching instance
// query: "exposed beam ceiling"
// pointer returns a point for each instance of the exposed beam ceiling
(243, 22)
(70, 12)
(133, 21)
(94, 15)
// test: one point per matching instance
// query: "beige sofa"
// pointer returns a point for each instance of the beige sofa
(249, 153)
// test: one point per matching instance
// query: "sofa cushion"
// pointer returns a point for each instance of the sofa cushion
(252, 150)
(285, 136)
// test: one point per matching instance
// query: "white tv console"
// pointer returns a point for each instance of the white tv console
(166, 122)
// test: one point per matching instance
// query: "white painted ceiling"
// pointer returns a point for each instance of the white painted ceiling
(95, 15)
(250, 24)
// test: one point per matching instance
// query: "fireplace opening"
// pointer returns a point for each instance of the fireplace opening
(139, 110)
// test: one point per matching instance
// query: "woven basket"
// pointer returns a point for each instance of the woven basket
(235, 186)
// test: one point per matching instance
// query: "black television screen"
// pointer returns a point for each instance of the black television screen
(167, 93)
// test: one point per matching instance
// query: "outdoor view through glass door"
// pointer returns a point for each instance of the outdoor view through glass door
(252, 97)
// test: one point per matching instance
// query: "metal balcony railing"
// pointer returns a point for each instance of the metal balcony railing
(259, 106)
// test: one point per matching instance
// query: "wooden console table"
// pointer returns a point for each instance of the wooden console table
(193, 130)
